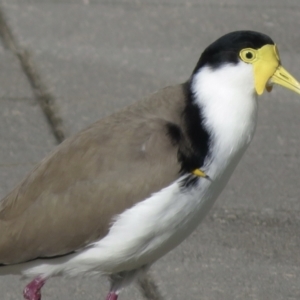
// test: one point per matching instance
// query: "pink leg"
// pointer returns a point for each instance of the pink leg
(33, 290)
(112, 296)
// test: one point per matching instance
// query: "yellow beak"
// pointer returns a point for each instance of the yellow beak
(267, 69)
(284, 78)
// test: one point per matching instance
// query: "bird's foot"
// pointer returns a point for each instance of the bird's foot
(112, 296)
(33, 290)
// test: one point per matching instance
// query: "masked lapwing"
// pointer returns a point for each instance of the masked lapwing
(119, 195)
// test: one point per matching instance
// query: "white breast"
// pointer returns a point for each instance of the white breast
(227, 98)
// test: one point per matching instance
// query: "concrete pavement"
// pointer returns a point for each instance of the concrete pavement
(98, 56)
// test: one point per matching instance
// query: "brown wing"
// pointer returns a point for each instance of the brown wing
(69, 199)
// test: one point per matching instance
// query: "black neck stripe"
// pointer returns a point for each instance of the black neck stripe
(197, 135)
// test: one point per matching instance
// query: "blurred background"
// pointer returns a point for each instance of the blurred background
(93, 57)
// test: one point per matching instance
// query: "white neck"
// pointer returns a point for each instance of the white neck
(228, 102)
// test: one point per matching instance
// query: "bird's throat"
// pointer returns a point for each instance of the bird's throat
(229, 113)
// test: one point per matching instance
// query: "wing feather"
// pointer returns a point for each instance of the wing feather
(71, 197)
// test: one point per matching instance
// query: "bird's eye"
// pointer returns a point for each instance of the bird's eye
(248, 55)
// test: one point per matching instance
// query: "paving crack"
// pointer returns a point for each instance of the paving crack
(149, 288)
(45, 99)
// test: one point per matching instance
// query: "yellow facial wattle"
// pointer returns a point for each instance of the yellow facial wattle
(267, 69)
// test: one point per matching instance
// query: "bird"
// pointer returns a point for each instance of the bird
(117, 196)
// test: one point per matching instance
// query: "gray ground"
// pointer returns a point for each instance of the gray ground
(97, 56)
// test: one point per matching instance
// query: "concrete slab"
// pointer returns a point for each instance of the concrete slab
(25, 137)
(14, 84)
(98, 56)
(25, 140)
(24, 133)
(287, 3)
(235, 256)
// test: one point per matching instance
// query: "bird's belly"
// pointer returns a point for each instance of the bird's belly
(177, 228)
(170, 216)
(155, 226)
(192, 209)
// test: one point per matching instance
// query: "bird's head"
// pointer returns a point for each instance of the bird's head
(252, 48)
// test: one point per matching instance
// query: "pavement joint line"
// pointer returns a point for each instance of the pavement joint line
(45, 99)
(149, 288)
(47, 102)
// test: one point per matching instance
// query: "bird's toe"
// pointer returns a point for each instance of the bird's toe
(33, 290)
